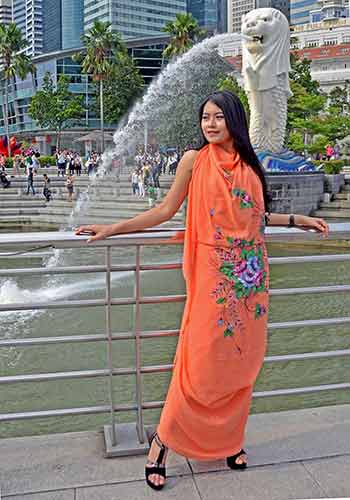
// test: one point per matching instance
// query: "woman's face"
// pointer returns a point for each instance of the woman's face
(214, 125)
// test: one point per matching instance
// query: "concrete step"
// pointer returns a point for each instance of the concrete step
(35, 203)
(91, 219)
(342, 196)
(339, 214)
(20, 211)
(65, 211)
(336, 204)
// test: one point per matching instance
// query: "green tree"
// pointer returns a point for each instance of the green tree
(55, 107)
(123, 86)
(184, 32)
(230, 83)
(296, 142)
(301, 73)
(14, 62)
(99, 58)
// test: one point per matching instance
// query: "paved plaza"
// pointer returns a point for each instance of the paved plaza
(292, 455)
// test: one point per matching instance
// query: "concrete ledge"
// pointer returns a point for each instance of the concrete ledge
(285, 449)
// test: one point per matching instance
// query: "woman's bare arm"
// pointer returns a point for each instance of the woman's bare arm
(155, 216)
(301, 221)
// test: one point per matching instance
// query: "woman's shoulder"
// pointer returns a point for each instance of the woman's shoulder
(189, 158)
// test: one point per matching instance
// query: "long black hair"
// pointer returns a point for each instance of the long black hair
(236, 122)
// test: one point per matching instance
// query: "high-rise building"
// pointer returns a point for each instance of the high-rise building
(136, 19)
(5, 11)
(237, 9)
(300, 11)
(28, 15)
(63, 24)
(326, 10)
(210, 14)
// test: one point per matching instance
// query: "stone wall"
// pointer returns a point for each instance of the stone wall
(295, 193)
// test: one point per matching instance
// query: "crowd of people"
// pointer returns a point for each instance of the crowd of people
(150, 165)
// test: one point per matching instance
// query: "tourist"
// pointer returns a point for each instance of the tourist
(30, 175)
(5, 182)
(135, 183)
(141, 185)
(61, 163)
(47, 191)
(224, 327)
(16, 165)
(70, 187)
(329, 152)
(77, 164)
(71, 164)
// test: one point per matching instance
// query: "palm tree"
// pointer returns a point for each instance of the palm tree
(184, 32)
(14, 62)
(99, 58)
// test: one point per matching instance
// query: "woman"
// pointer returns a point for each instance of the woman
(222, 338)
(70, 186)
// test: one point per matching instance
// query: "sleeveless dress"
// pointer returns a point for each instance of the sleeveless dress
(223, 334)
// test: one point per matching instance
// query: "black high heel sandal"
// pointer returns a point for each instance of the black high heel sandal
(231, 461)
(156, 467)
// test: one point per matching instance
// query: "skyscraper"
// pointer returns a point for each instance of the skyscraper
(210, 14)
(237, 9)
(63, 24)
(136, 19)
(5, 11)
(28, 15)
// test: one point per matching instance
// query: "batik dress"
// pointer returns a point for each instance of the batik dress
(222, 338)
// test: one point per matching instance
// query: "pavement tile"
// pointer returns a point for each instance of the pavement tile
(53, 495)
(177, 488)
(332, 474)
(58, 461)
(283, 482)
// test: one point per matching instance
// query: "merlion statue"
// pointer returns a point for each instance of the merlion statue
(265, 68)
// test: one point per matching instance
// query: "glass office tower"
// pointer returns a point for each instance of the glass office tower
(136, 19)
(210, 14)
(63, 24)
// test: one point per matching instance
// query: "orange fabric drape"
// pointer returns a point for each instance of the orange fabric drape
(223, 331)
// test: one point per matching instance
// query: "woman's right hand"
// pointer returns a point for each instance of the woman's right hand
(97, 231)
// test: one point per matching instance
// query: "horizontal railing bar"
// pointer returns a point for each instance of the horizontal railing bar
(158, 404)
(163, 333)
(8, 417)
(158, 267)
(308, 290)
(159, 299)
(308, 355)
(35, 271)
(301, 390)
(90, 303)
(309, 258)
(47, 377)
(309, 322)
(76, 339)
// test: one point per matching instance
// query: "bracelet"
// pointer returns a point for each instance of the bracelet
(291, 221)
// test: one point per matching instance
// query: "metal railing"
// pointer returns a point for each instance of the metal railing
(26, 243)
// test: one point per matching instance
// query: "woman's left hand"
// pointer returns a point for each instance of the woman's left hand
(312, 223)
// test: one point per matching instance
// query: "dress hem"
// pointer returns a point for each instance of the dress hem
(185, 454)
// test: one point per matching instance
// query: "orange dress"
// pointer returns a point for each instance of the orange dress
(222, 338)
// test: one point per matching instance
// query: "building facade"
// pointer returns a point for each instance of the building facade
(147, 54)
(28, 15)
(136, 19)
(326, 45)
(5, 11)
(63, 24)
(237, 8)
(210, 14)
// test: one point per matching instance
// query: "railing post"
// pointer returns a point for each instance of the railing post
(110, 341)
(137, 330)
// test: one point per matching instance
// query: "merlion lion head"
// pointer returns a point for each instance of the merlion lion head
(265, 45)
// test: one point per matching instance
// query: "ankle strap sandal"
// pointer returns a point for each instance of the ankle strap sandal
(231, 461)
(156, 467)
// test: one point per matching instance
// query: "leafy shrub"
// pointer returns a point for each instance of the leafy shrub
(331, 166)
(47, 160)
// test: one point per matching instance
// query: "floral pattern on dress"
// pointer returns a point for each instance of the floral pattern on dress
(245, 199)
(242, 276)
